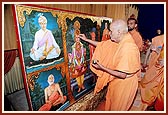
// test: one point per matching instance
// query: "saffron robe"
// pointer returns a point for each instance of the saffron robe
(106, 35)
(139, 42)
(124, 57)
(104, 52)
(55, 99)
(152, 85)
(121, 92)
(157, 42)
(137, 38)
(92, 48)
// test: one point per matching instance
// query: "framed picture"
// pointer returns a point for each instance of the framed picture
(49, 87)
(52, 57)
(42, 54)
(79, 55)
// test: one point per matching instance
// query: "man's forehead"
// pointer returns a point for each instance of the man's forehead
(131, 21)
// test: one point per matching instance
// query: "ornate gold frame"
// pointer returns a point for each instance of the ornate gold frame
(20, 9)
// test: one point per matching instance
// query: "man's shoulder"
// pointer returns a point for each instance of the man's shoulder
(129, 41)
(108, 43)
(138, 33)
(158, 36)
(135, 32)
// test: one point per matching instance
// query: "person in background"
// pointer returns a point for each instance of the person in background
(151, 54)
(132, 28)
(159, 32)
(93, 37)
(105, 33)
(146, 46)
(152, 84)
(92, 49)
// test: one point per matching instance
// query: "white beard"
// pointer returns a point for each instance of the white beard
(50, 82)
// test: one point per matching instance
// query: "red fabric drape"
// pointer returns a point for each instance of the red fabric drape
(9, 59)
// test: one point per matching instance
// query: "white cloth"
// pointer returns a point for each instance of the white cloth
(39, 36)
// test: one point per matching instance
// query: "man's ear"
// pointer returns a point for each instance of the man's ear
(136, 25)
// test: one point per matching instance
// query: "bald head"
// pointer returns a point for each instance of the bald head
(118, 29)
(120, 25)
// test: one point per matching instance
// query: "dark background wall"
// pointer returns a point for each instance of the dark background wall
(150, 18)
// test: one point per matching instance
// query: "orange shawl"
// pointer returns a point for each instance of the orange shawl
(121, 92)
(152, 85)
(104, 54)
(137, 38)
(156, 41)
